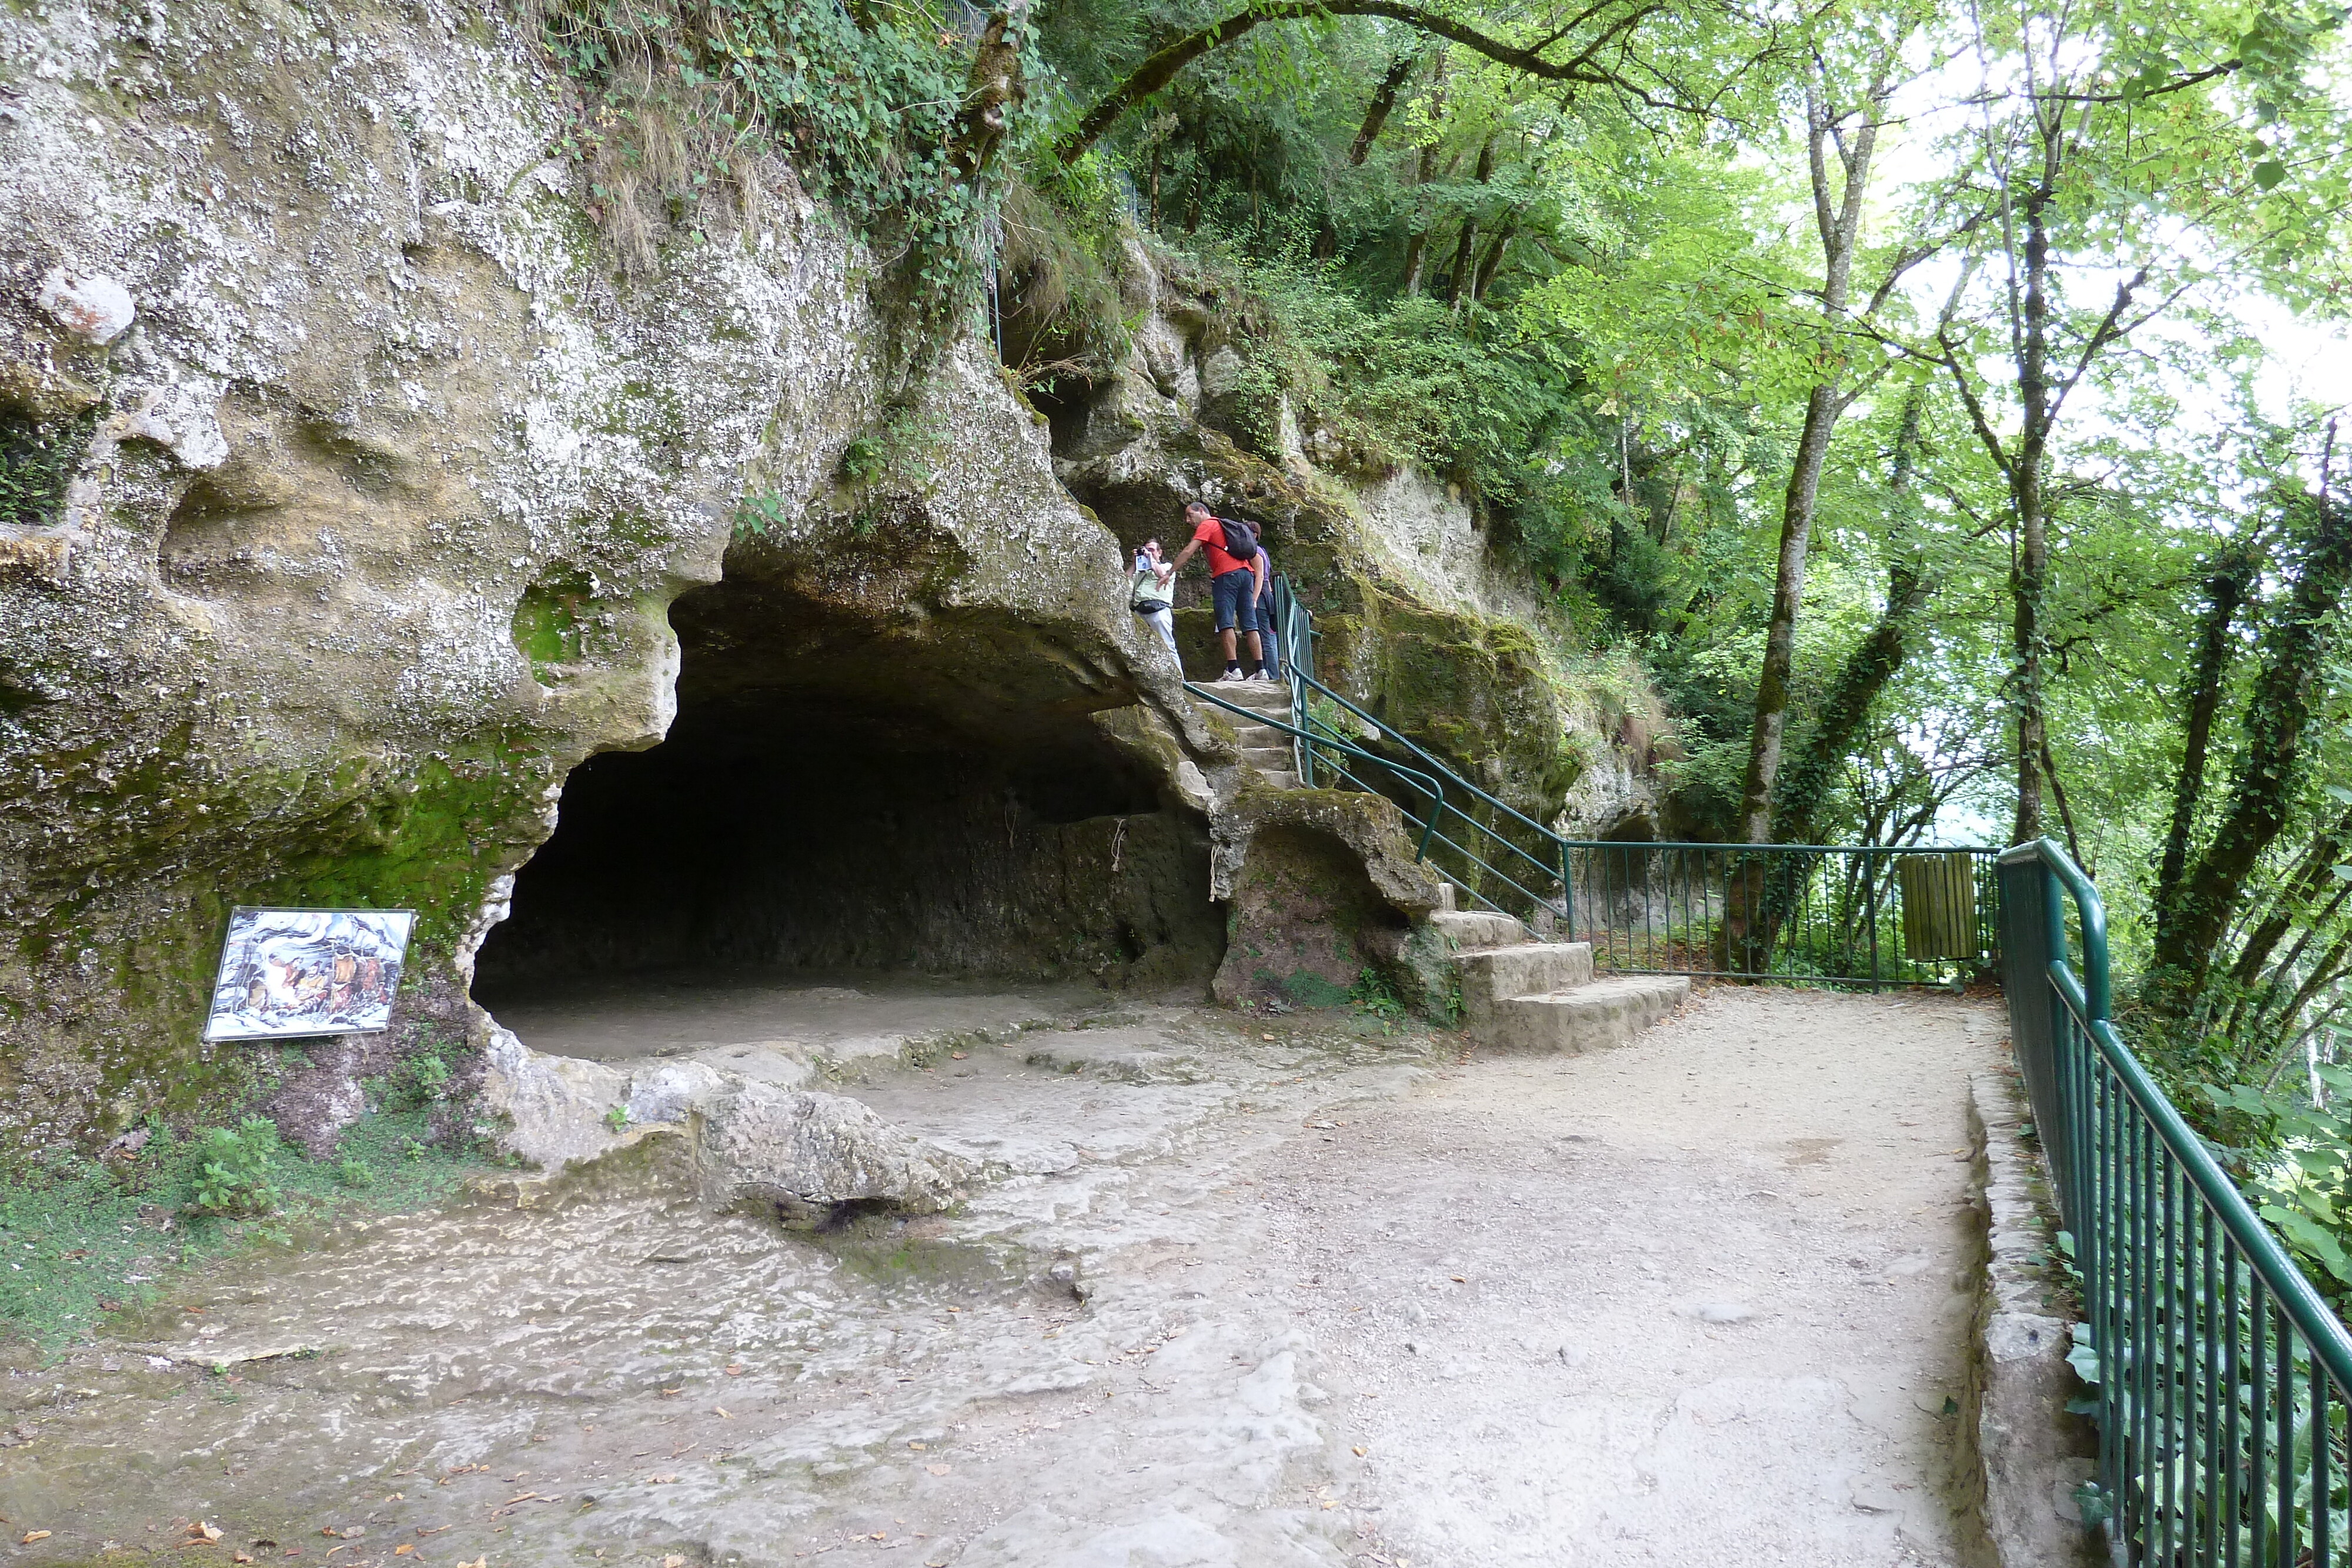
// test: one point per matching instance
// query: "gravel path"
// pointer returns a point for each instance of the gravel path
(1251, 1293)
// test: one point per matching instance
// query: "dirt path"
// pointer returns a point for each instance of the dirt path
(1243, 1293)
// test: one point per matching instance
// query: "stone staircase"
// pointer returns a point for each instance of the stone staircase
(1264, 748)
(1522, 994)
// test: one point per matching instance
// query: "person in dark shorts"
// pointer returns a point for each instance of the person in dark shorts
(1234, 585)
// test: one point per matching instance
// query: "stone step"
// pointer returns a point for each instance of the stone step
(1477, 928)
(1269, 757)
(1269, 696)
(1589, 1017)
(1490, 976)
(1282, 780)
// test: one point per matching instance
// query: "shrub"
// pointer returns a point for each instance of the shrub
(233, 1168)
(422, 1079)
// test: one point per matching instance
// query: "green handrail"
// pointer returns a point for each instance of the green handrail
(1437, 796)
(2200, 1326)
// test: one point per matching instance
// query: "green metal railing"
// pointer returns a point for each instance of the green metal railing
(2223, 1380)
(1433, 809)
(1848, 914)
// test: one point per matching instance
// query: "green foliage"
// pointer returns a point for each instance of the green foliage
(2302, 1182)
(617, 1118)
(1375, 993)
(418, 1082)
(37, 458)
(233, 1170)
(689, 97)
(1063, 319)
(88, 1238)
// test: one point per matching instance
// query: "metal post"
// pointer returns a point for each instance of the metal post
(1870, 911)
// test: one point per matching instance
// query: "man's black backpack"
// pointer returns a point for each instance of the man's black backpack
(1241, 539)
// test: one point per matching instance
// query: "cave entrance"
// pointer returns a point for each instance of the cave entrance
(850, 799)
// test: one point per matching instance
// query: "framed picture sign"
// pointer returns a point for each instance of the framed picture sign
(289, 972)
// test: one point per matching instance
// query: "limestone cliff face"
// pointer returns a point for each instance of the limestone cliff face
(1426, 622)
(350, 488)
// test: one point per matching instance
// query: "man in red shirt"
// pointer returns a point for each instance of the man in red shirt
(1234, 588)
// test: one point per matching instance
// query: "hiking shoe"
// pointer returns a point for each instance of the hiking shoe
(1231, 676)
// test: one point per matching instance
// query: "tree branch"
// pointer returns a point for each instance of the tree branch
(1160, 69)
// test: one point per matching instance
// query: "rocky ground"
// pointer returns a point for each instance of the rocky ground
(1239, 1291)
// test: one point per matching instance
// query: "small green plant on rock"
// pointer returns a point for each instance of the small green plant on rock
(233, 1170)
(423, 1079)
(1374, 993)
(617, 1118)
(354, 1173)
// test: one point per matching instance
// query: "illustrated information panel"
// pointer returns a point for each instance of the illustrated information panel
(308, 971)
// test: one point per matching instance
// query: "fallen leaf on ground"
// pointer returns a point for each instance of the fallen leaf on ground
(672, 1562)
(404, 1548)
(959, 1055)
(1360, 1452)
(1457, 1279)
(939, 1469)
(720, 1411)
(736, 1370)
(32, 1535)
(662, 1480)
(240, 1557)
(667, 1392)
(435, 1530)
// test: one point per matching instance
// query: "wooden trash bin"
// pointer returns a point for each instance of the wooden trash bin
(1939, 906)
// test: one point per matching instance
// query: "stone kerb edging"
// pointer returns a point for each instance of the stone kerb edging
(2030, 1453)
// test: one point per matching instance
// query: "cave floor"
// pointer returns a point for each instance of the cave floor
(1244, 1291)
(729, 1019)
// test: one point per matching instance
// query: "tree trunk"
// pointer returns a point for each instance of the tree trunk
(2263, 791)
(1457, 283)
(1765, 730)
(1460, 270)
(1839, 224)
(1416, 245)
(2225, 595)
(2029, 568)
(1845, 707)
(2312, 874)
(1384, 98)
(1481, 276)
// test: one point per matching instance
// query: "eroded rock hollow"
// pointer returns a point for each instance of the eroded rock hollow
(839, 794)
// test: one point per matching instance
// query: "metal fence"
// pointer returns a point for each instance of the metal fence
(2221, 1374)
(1871, 915)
